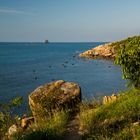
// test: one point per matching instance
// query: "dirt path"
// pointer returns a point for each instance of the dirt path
(73, 129)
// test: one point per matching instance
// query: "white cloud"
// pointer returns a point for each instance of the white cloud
(13, 11)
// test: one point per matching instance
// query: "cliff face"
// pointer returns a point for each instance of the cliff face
(102, 51)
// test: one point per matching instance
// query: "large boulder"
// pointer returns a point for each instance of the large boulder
(54, 96)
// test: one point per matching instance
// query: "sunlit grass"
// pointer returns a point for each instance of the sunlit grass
(118, 120)
(51, 128)
(113, 120)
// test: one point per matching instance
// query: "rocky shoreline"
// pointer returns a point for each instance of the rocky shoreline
(101, 51)
(52, 97)
(46, 100)
(60, 95)
(58, 111)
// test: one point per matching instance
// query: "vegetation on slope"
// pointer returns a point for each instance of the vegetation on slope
(120, 119)
(128, 57)
(117, 120)
(7, 118)
(51, 128)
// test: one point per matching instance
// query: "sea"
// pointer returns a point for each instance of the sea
(26, 66)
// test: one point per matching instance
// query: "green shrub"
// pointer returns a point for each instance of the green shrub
(128, 57)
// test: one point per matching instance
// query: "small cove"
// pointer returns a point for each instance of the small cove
(25, 66)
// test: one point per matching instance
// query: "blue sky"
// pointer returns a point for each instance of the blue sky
(68, 20)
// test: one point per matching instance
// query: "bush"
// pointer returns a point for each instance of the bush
(128, 57)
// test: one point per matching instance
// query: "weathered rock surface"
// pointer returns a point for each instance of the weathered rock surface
(12, 130)
(102, 51)
(54, 96)
(26, 122)
(110, 99)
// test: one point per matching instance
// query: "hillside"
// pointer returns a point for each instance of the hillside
(110, 50)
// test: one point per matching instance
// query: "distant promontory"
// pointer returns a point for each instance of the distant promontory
(109, 50)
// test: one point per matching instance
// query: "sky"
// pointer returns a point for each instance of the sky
(68, 20)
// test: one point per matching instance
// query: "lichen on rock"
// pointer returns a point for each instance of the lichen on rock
(54, 96)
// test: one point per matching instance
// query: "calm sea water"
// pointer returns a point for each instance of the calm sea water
(25, 66)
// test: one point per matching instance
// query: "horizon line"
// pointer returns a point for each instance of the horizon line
(52, 41)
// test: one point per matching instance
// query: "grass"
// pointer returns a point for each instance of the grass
(50, 129)
(6, 114)
(113, 121)
(119, 120)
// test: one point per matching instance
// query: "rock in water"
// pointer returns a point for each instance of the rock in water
(102, 51)
(54, 96)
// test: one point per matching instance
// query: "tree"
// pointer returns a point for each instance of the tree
(128, 57)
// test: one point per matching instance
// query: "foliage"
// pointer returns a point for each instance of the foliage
(7, 107)
(115, 120)
(52, 128)
(128, 57)
(6, 116)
